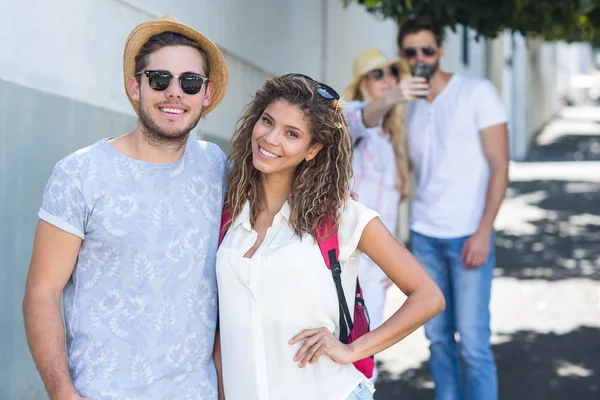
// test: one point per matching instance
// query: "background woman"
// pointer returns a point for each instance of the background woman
(375, 115)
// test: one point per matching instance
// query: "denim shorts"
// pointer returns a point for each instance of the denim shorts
(360, 393)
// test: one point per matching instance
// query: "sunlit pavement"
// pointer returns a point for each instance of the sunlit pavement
(546, 294)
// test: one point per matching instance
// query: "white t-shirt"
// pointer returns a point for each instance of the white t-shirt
(266, 300)
(447, 156)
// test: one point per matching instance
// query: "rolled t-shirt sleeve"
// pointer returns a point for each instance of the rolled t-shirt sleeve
(63, 204)
(489, 109)
(355, 217)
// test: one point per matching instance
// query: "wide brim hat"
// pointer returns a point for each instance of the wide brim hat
(218, 74)
(368, 61)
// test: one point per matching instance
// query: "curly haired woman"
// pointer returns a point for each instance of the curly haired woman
(279, 312)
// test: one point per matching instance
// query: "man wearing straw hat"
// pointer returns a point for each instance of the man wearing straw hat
(458, 146)
(128, 234)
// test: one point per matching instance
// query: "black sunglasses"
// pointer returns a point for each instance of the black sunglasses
(379, 73)
(323, 90)
(160, 80)
(411, 52)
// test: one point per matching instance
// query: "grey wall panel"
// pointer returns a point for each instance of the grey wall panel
(36, 130)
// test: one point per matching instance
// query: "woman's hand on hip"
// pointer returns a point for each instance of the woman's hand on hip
(318, 342)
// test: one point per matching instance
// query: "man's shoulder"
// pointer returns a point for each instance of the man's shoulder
(468, 79)
(209, 151)
(472, 83)
(82, 158)
(204, 147)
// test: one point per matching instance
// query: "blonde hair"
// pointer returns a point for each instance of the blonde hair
(394, 125)
(321, 185)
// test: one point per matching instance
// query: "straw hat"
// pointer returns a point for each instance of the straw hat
(369, 60)
(167, 23)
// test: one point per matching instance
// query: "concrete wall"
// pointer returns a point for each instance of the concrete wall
(61, 89)
(532, 77)
(36, 129)
(476, 60)
(542, 93)
(348, 33)
(75, 48)
(496, 62)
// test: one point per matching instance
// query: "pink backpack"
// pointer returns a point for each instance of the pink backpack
(350, 328)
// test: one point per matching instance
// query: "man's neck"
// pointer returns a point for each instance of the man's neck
(438, 82)
(137, 145)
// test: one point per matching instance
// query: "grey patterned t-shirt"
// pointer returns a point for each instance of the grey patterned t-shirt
(141, 305)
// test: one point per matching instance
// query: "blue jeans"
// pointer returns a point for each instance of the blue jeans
(360, 393)
(467, 294)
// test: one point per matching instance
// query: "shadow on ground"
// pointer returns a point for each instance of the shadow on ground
(568, 148)
(554, 233)
(554, 229)
(574, 136)
(540, 366)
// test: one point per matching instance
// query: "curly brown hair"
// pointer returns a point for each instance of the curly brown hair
(321, 185)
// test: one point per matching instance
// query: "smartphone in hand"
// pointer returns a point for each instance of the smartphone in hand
(423, 70)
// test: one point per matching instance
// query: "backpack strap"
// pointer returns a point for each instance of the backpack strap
(225, 220)
(330, 250)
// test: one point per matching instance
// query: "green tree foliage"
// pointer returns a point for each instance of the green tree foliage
(570, 20)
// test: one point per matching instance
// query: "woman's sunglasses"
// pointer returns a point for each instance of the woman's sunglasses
(323, 90)
(379, 73)
(411, 52)
(160, 80)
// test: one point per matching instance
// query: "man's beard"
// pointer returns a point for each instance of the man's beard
(173, 140)
(435, 67)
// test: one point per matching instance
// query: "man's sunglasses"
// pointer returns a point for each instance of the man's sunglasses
(379, 73)
(160, 80)
(411, 52)
(323, 90)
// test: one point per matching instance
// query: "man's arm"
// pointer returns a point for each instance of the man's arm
(494, 141)
(408, 89)
(54, 254)
(219, 364)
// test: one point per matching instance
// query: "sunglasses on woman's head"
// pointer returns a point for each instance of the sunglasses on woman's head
(190, 82)
(379, 73)
(411, 52)
(323, 90)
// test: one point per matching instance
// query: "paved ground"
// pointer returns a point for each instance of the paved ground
(546, 294)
